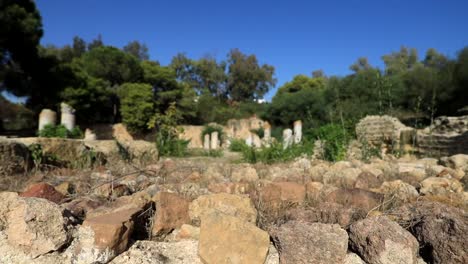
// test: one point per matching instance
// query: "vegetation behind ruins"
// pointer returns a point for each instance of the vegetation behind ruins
(108, 84)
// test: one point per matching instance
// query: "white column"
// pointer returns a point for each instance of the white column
(47, 117)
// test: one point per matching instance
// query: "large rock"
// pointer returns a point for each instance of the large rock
(244, 174)
(36, 226)
(352, 258)
(328, 213)
(398, 192)
(9, 200)
(150, 252)
(367, 181)
(235, 205)
(171, 213)
(43, 190)
(459, 161)
(300, 242)
(14, 157)
(440, 229)
(228, 239)
(345, 178)
(112, 230)
(378, 240)
(277, 194)
(440, 186)
(358, 198)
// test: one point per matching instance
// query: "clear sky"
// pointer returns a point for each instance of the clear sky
(295, 36)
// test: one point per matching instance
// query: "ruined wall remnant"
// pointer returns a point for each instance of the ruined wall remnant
(446, 136)
(378, 130)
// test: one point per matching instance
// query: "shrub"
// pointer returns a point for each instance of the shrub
(237, 145)
(335, 139)
(167, 136)
(260, 132)
(60, 131)
(276, 152)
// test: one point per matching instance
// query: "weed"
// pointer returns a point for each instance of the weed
(276, 152)
(237, 145)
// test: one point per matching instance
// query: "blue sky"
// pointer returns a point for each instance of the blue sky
(295, 36)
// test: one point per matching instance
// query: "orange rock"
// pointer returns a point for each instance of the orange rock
(112, 231)
(171, 213)
(45, 191)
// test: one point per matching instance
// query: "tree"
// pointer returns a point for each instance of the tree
(137, 106)
(361, 64)
(399, 62)
(96, 43)
(247, 80)
(20, 32)
(302, 98)
(137, 49)
(112, 65)
(318, 74)
(79, 46)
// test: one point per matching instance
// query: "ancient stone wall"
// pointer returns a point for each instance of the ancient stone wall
(447, 136)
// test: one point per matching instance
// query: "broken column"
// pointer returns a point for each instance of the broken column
(47, 117)
(266, 132)
(256, 141)
(287, 138)
(206, 142)
(67, 116)
(89, 135)
(297, 131)
(249, 140)
(214, 140)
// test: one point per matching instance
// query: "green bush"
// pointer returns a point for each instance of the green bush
(168, 132)
(237, 145)
(335, 139)
(276, 152)
(60, 131)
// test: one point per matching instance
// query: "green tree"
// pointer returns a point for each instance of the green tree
(96, 43)
(113, 65)
(401, 61)
(137, 49)
(302, 98)
(137, 106)
(247, 80)
(361, 64)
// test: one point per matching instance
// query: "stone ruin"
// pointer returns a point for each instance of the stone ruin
(242, 129)
(49, 117)
(446, 136)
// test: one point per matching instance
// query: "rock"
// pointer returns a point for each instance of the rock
(358, 198)
(367, 181)
(279, 194)
(300, 242)
(399, 191)
(412, 173)
(171, 213)
(14, 157)
(230, 187)
(81, 206)
(112, 230)
(273, 255)
(228, 239)
(120, 133)
(316, 172)
(9, 202)
(244, 174)
(110, 190)
(149, 252)
(66, 188)
(345, 178)
(36, 226)
(328, 213)
(12, 255)
(313, 191)
(235, 205)
(459, 161)
(440, 186)
(45, 191)
(188, 232)
(352, 258)
(440, 229)
(378, 240)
